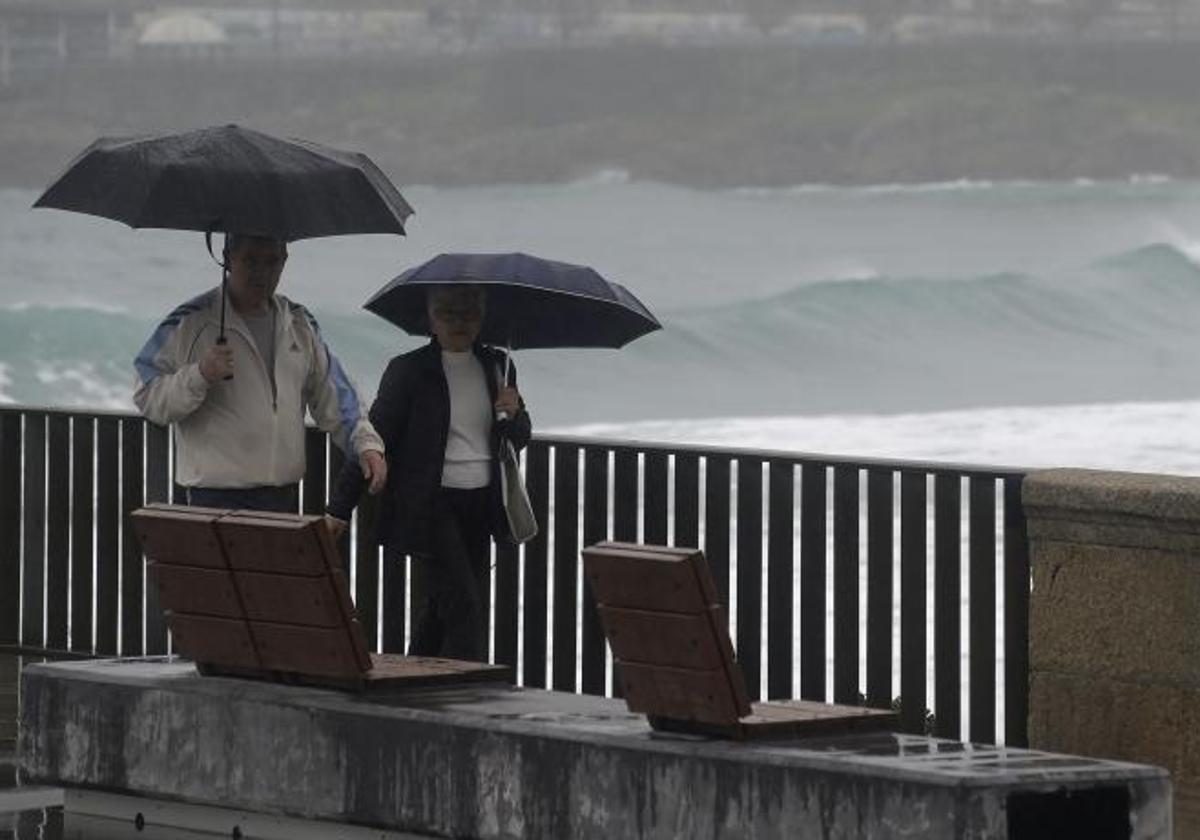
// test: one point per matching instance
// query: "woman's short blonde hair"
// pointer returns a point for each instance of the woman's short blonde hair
(456, 294)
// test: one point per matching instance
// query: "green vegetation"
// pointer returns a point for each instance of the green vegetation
(707, 117)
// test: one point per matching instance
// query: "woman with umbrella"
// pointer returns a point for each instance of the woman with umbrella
(441, 411)
(451, 480)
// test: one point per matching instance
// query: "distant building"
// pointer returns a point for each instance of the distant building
(182, 34)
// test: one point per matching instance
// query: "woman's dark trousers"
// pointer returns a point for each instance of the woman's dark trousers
(452, 620)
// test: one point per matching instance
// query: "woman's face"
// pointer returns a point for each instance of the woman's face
(455, 320)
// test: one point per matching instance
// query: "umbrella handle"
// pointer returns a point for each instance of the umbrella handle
(503, 377)
(501, 381)
(221, 339)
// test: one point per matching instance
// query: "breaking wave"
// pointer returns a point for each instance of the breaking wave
(1121, 328)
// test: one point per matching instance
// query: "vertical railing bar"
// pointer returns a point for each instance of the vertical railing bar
(687, 500)
(655, 494)
(108, 546)
(983, 609)
(595, 529)
(566, 564)
(10, 528)
(913, 560)
(33, 578)
(947, 597)
(880, 525)
(505, 624)
(132, 496)
(625, 495)
(394, 602)
(314, 492)
(812, 580)
(332, 461)
(366, 577)
(845, 585)
(781, 513)
(506, 632)
(537, 479)
(749, 572)
(58, 529)
(717, 515)
(1016, 617)
(625, 516)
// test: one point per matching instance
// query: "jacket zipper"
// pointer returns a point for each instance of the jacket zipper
(253, 345)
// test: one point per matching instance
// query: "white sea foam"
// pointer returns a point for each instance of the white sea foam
(1141, 437)
(5, 382)
(82, 384)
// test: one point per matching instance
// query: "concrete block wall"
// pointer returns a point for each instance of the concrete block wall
(10, 673)
(1115, 622)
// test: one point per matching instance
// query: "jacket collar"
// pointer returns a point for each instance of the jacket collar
(279, 304)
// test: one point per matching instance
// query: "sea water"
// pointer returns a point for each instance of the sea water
(1026, 324)
(1014, 324)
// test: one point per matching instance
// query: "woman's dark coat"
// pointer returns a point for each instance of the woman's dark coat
(411, 413)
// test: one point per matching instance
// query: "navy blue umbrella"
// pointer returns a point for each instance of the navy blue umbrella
(531, 302)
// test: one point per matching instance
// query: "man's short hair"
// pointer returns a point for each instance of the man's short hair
(233, 241)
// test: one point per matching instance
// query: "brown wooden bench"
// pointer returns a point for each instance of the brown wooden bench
(263, 595)
(670, 641)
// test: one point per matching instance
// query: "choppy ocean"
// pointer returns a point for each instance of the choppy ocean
(1023, 324)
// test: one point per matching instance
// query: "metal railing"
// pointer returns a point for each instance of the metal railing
(846, 579)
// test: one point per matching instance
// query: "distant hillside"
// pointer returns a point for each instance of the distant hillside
(700, 116)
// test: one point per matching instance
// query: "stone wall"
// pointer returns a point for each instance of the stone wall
(1115, 622)
(10, 671)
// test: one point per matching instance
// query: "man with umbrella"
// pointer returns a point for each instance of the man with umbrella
(240, 437)
(238, 406)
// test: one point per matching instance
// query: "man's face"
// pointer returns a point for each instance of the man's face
(455, 318)
(255, 266)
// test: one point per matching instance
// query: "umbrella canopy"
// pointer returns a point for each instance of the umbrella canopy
(531, 302)
(231, 179)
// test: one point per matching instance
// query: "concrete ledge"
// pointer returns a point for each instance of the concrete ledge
(1092, 507)
(497, 762)
(1114, 621)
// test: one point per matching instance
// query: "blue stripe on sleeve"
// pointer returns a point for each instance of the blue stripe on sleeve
(347, 398)
(146, 360)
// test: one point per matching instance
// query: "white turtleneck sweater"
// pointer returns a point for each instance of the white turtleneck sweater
(468, 458)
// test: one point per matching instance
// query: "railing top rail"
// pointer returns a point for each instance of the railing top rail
(70, 411)
(933, 467)
(816, 458)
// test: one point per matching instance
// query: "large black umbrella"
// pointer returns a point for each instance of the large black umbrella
(232, 179)
(531, 302)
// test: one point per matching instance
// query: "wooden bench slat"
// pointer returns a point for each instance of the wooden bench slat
(313, 651)
(660, 638)
(212, 640)
(179, 537)
(282, 546)
(679, 693)
(661, 580)
(289, 599)
(196, 590)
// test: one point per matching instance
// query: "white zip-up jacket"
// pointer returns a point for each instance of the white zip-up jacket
(249, 430)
